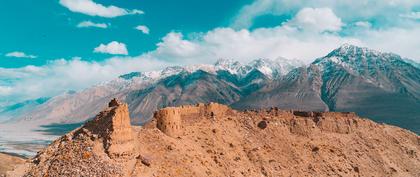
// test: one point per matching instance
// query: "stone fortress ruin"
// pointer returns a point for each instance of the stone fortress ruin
(172, 120)
(214, 140)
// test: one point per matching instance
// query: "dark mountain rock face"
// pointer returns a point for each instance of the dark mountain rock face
(381, 86)
(181, 89)
(297, 90)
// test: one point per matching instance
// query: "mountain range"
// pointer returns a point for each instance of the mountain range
(381, 86)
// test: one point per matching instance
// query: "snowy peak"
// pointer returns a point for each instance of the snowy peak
(383, 70)
(352, 50)
(277, 67)
(352, 53)
(359, 59)
(270, 68)
(266, 66)
(229, 65)
(412, 62)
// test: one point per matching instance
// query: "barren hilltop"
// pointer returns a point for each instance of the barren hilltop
(214, 140)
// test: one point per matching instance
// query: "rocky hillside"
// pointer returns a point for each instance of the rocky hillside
(214, 140)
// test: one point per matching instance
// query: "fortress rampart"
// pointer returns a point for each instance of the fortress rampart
(171, 120)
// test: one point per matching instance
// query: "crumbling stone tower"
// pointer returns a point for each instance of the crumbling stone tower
(169, 121)
(114, 128)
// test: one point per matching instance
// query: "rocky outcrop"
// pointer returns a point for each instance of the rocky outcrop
(214, 140)
(104, 146)
(114, 128)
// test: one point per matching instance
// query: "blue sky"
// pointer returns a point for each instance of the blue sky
(49, 47)
(48, 30)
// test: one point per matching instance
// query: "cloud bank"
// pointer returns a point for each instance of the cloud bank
(317, 19)
(383, 12)
(62, 75)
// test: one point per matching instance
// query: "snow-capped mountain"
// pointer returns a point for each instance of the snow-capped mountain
(381, 86)
(270, 68)
(229, 80)
(387, 71)
(412, 62)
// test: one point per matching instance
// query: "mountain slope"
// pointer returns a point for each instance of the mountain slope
(378, 85)
(8, 112)
(224, 82)
(299, 89)
(9, 162)
(183, 88)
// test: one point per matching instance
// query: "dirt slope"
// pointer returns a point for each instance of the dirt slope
(214, 140)
(8, 162)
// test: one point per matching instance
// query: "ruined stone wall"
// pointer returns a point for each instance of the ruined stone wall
(171, 120)
(191, 110)
(216, 110)
(302, 122)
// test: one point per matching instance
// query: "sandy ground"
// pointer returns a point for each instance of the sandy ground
(9, 162)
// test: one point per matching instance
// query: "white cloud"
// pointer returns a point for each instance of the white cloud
(87, 24)
(18, 54)
(61, 75)
(244, 45)
(402, 41)
(363, 24)
(91, 8)
(412, 15)
(114, 47)
(316, 19)
(144, 29)
(349, 11)
(173, 48)
(5, 90)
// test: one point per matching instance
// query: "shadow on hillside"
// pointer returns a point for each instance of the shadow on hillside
(59, 129)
